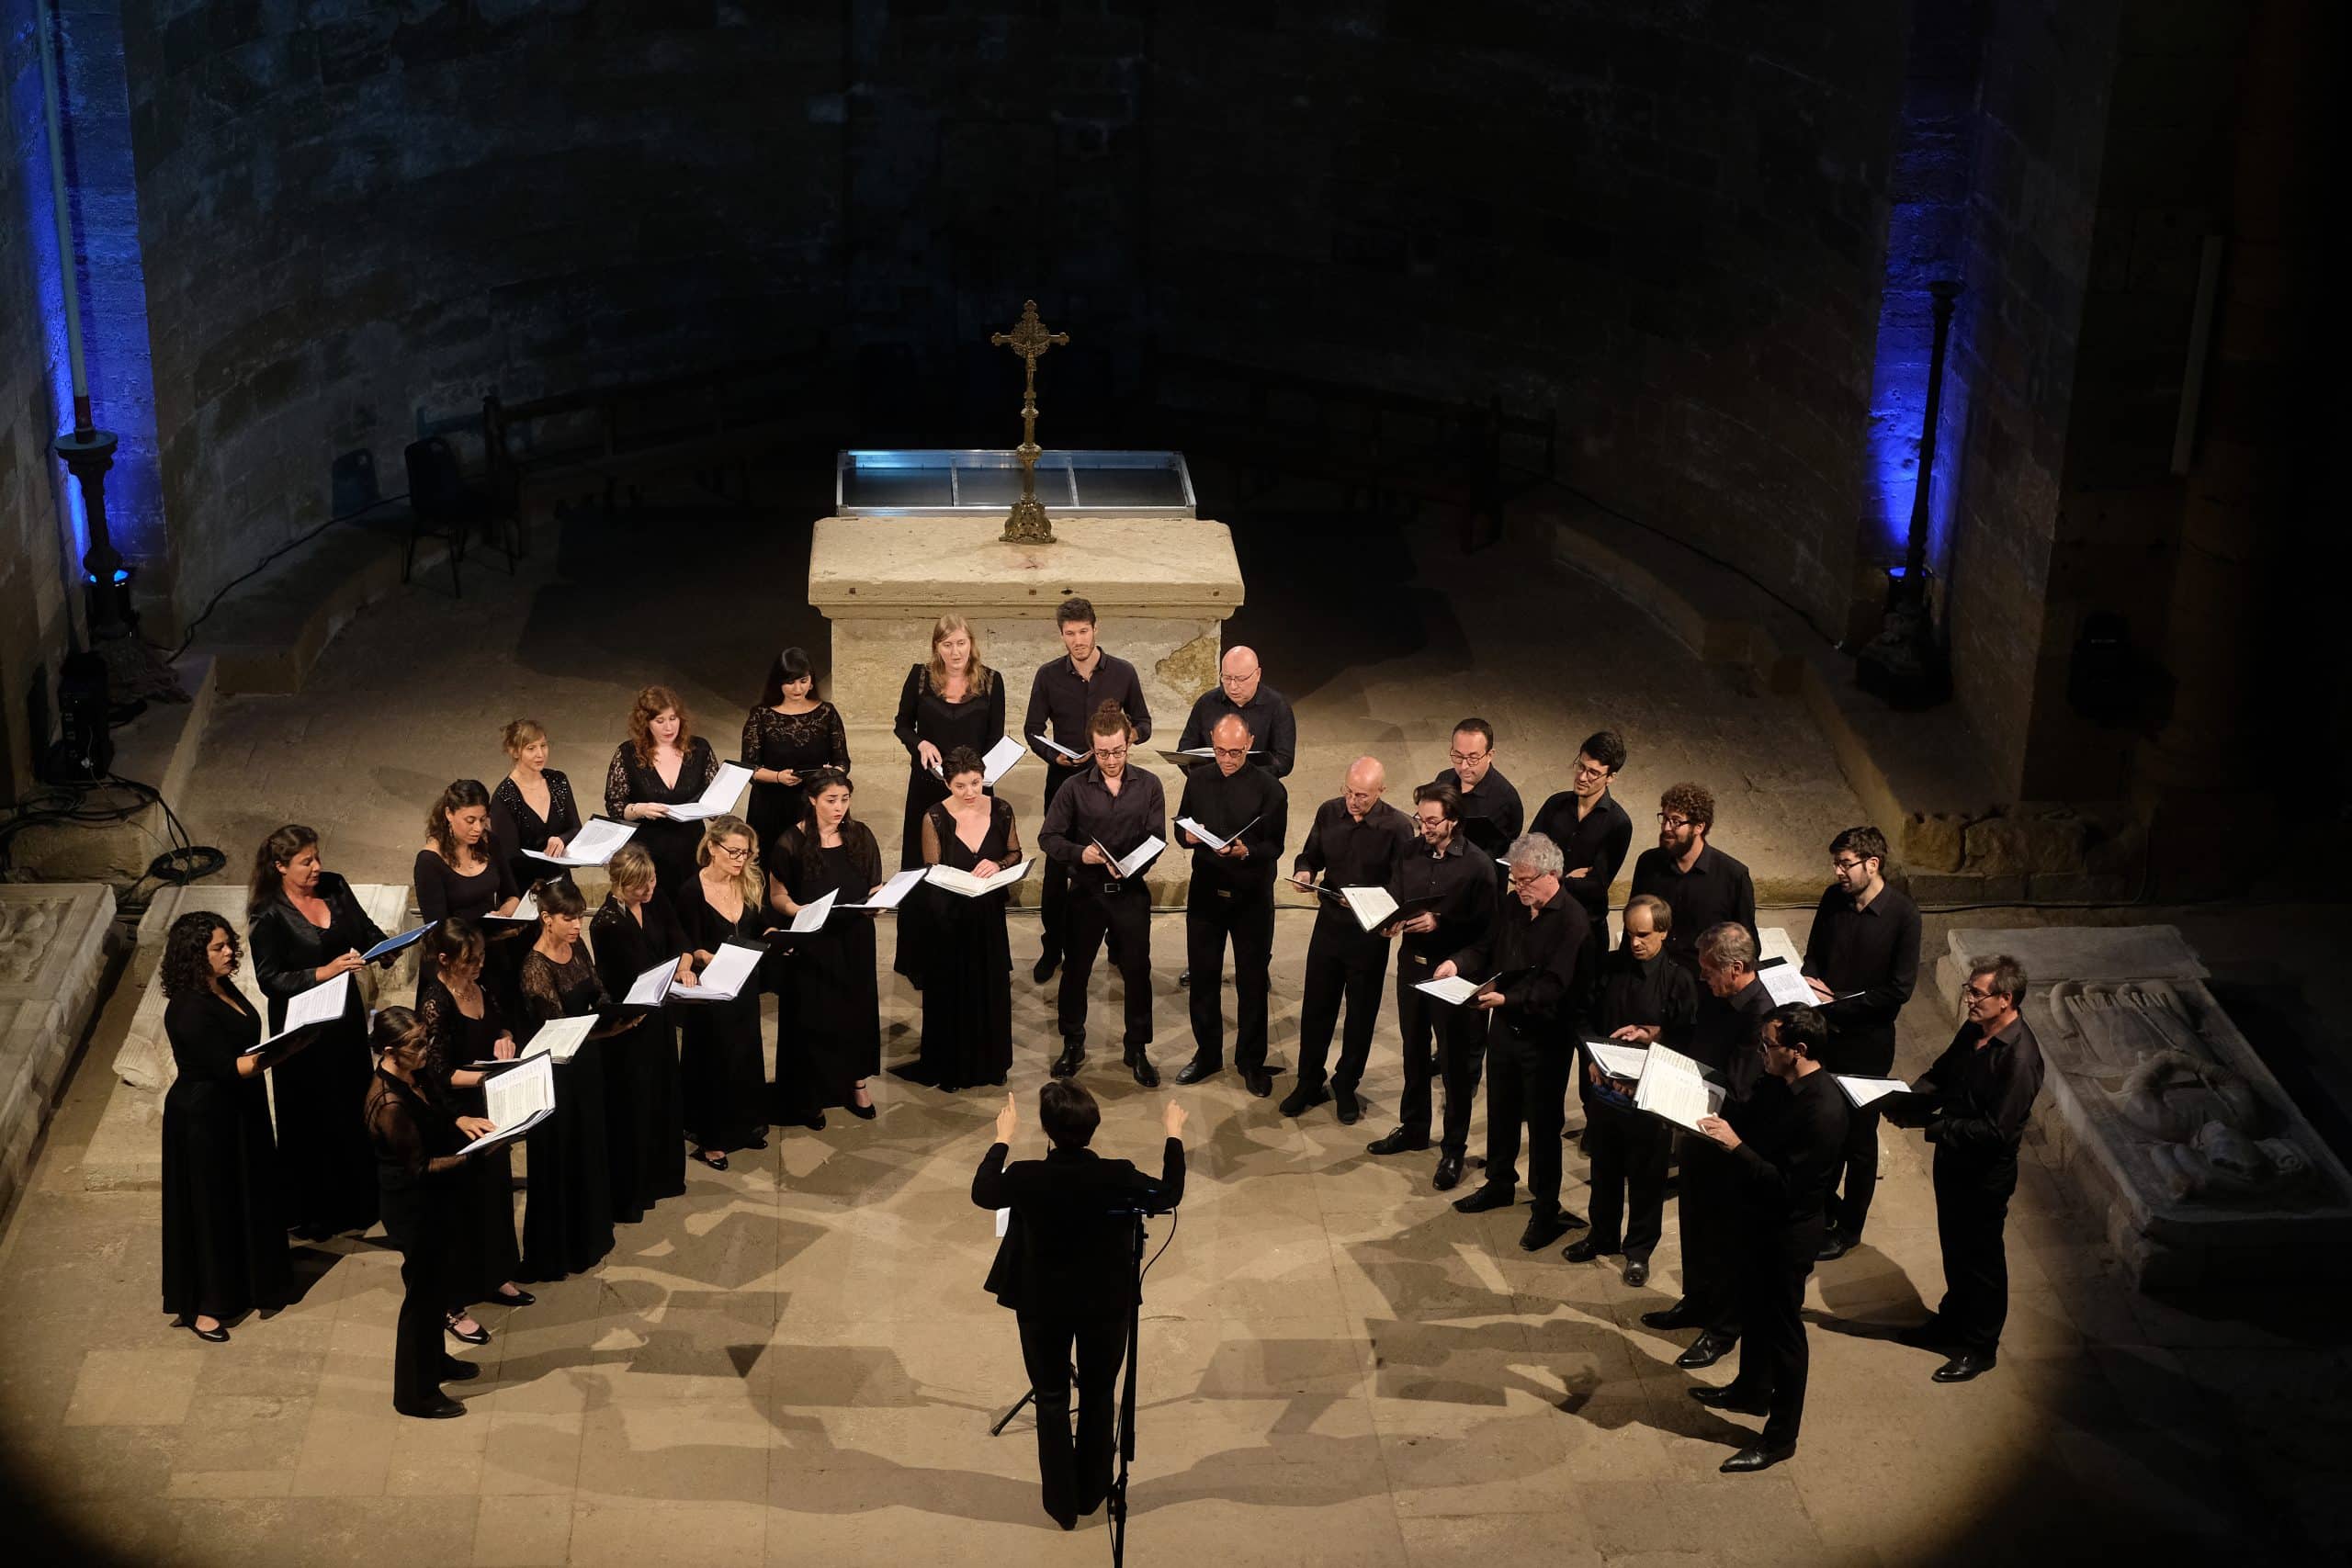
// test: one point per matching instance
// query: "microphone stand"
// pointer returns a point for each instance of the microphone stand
(1118, 1495)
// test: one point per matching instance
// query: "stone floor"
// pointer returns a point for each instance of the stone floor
(794, 1362)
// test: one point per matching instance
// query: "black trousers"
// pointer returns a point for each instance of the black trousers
(1972, 1211)
(1854, 1180)
(1122, 911)
(414, 1223)
(1075, 1475)
(1712, 1227)
(1527, 1081)
(1343, 963)
(1053, 895)
(1245, 916)
(1628, 1150)
(1459, 1037)
(1773, 1358)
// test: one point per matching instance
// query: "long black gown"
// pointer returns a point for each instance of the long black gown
(643, 1105)
(968, 981)
(629, 782)
(415, 1149)
(725, 1081)
(567, 1205)
(795, 742)
(517, 827)
(224, 1236)
(442, 890)
(483, 1253)
(836, 1036)
(327, 1168)
(924, 714)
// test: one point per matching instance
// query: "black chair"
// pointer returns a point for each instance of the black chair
(443, 506)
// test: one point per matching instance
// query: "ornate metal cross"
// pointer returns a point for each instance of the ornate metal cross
(1026, 525)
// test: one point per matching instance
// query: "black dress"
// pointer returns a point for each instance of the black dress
(629, 782)
(326, 1168)
(568, 1206)
(224, 1237)
(643, 1103)
(967, 979)
(482, 1254)
(415, 1149)
(793, 742)
(442, 890)
(726, 1089)
(924, 714)
(836, 1034)
(517, 827)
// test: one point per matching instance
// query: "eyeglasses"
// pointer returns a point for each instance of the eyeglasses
(1110, 753)
(1237, 679)
(1591, 771)
(1665, 822)
(1526, 878)
(1221, 752)
(1845, 864)
(1974, 995)
(1468, 756)
(732, 852)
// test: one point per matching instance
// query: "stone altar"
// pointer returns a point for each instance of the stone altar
(2160, 1112)
(53, 956)
(1161, 587)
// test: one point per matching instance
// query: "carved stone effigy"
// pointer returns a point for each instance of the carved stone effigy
(53, 954)
(126, 1149)
(2160, 1111)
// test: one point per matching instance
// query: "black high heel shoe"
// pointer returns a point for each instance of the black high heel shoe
(862, 1112)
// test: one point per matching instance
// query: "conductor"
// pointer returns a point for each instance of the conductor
(1067, 1267)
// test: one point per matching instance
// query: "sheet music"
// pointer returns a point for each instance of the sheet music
(1212, 840)
(1456, 991)
(647, 989)
(592, 845)
(1050, 744)
(1193, 756)
(516, 1101)
(1785, 985)
(1618, 1059)
(724, 976)
(561, 1038)
(718, 798)
(394, 943)
(1672, 1087)
(1123, 867)
(1373, 905)
(970, 886)
(812, 914)
(1001, 757)
(1866, 1090)
(526, 908)
(1003, 1221)
(323, 1003)
(891, 893)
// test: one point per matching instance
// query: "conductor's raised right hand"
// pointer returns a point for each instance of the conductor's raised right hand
(1172, 1119)
(1008, 1121)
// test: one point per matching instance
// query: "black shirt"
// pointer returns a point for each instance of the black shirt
(1464, 879)
(1065, 1249)
(1659, 993)
(1789, 1149)
(1874, 949)
(1537, 957)
(1061, 701)
(1351, 853)
(1086, 811)
(1491, 814)
(1983, 1098)
(1273, 730)
(1222, 805)
(1716, 889)
(1725, 1039)
(1600, 843)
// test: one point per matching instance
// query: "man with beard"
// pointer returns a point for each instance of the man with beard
(1705, 885)
(1063, 696)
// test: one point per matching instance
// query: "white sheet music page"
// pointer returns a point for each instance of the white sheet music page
(561, 1038)
(1673, 1087)
(1373, 905)
(323, 1003)
(1001, 758)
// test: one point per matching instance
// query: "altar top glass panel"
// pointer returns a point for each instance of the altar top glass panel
(898, 483)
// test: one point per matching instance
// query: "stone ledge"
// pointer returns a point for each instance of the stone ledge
(267, 633)
(52, 958)
(1919, 776)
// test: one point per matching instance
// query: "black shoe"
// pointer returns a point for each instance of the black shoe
(1260, 1082)
(1304, 1099)
(1966, 1365)
(1929, 1336)
(1834, 1246)
(216, 1334)
(816, 1122)
(1196, 1069)
(716, 1161)
(521, 1298)
(440, 1409)
(1730, 1397)
(1543, 1229)
(1638, 1272)
(1490, 1196)
(481, 1336)
(1397, 1142)
(1044, 969)
(1669, 1318)
(1705, 1352)
(862, 1112)
(1585, 1250)
(1448, 1173)
(1184, 980)
(1073, 1058)
(1349, 1106)
(1146, 1074)
(455, 1370)
(1756, 1457)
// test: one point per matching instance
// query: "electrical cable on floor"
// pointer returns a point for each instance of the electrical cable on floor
(214, 602)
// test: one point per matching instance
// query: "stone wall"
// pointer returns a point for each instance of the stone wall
(36, 558)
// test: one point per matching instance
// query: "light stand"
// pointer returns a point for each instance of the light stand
(1118, 1495)
(1904, 664)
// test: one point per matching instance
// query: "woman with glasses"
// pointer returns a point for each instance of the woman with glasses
(1111, 808)
(725, 1083)
(836, 1040)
